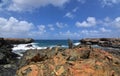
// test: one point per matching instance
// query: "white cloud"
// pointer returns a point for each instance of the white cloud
(41, 28)
(61, 25)
(69, 34)
(89, 32)
(12, 24)
(109, 2)
(27, 5)
(75, 9)
(91, 21)
(51, 27)
(114, 23)
(12, 27)
(104, 30)
(69, 15)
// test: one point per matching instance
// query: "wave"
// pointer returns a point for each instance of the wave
(77, 43)
(21, 48)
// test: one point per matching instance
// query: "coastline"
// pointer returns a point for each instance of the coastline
(38, 55)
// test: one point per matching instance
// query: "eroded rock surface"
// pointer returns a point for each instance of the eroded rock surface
(80, 61)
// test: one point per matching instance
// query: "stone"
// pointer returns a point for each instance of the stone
(79, 61)
(3, 59)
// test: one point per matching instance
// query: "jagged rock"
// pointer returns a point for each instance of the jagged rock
(80, 61)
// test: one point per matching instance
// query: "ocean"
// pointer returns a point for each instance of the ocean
(52, 43)
(41, 44)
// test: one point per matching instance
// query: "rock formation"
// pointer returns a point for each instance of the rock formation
(18, 40)
(104, 42)
(79, 61)
(8, 59)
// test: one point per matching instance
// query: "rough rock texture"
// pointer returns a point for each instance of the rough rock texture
(6, 54)
(80, 61)
(8, 59)
(105, 42)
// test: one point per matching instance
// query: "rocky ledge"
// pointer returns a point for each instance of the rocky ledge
(104, 42)
(18, 40)
(79, 61)
(8, 59)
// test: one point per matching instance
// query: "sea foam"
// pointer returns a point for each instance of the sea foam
(21, 48)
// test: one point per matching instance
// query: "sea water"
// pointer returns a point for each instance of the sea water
(41, 44)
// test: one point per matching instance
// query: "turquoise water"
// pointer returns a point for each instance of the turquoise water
(48, 43)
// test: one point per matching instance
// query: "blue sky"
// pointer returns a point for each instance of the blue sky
(59, 19)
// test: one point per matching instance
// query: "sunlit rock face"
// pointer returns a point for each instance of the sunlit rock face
(79, 61)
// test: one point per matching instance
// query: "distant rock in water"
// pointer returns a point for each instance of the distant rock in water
(104, 42)
(70, 44)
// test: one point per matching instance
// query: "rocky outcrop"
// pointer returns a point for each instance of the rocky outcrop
(104, 42)
(79, 61)
(18, 40)
(8, 59)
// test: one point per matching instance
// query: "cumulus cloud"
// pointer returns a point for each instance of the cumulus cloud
(12, 27)
(26, 5)
(91, 21)
(109, 2)
(61, 25)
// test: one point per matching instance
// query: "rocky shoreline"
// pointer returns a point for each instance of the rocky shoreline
(8, 59)
(104, 42)
(80, 60)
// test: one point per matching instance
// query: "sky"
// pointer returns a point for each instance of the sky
(59, 19)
